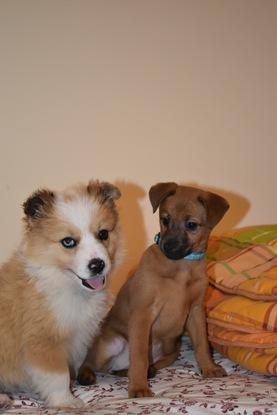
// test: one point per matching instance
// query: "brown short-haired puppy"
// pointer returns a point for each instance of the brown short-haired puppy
(166, 294)
(53, 296)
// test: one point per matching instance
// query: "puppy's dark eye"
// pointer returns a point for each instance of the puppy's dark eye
(103, 234)
(191, 226)
(165, 220)
(68, 242)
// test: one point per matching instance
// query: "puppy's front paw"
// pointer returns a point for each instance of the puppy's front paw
(215, 371)
(140, 392)
(65, 402)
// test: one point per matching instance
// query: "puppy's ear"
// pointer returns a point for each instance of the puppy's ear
(39, 204)
(216, 207)
(104, 190)
(159, 192)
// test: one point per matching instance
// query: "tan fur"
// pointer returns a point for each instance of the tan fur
(163, 296)
(32, 336)
(25, 320)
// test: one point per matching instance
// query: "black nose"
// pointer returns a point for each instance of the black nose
(174, 249)
(96, 266)
(170, 245)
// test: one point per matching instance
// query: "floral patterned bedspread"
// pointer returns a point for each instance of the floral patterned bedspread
(178, 389)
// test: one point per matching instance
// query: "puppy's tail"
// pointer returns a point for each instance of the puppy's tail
(5, 402)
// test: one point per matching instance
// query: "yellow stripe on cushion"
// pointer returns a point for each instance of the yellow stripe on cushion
(242, 309)
(258, 340)
(264, 361)
(243, 312)
(250, 271)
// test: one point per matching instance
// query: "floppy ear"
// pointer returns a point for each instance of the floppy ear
(216, 207)
(39, 204)
(159, 192)
(104, 190)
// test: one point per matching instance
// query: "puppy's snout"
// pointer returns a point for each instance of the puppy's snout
(174, 248)
(96, 266)
(170, 245)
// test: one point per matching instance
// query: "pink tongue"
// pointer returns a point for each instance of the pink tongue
(96, 282)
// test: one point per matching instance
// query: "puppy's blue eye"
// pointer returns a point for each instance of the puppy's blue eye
(191, 226)
(103, 235)
(68, 242)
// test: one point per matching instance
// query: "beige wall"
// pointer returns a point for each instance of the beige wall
(137, 92)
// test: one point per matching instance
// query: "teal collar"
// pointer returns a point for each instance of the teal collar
(193, 256)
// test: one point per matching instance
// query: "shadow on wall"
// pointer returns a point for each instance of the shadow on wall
(133, 230)
(239, 206)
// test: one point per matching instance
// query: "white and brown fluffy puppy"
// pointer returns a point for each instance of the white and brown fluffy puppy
(52, 296)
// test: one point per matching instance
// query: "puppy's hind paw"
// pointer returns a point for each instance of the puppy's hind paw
(215, 371)
(144, 392)
(86, 377)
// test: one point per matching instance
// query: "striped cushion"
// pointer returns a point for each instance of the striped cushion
(238, 266)
(241, 300)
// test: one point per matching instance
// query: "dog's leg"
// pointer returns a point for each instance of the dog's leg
(196, 326)
(139, 332)
(106, 347)
(170, 349)
(54, 388)
(86, 375)
(50, 377)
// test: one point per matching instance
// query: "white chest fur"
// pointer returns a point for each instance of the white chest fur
(76, 310)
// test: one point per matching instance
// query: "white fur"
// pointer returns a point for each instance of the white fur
(76, 309)
(88, 249)
(118, 350)
(53, 387)
(80, 213)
